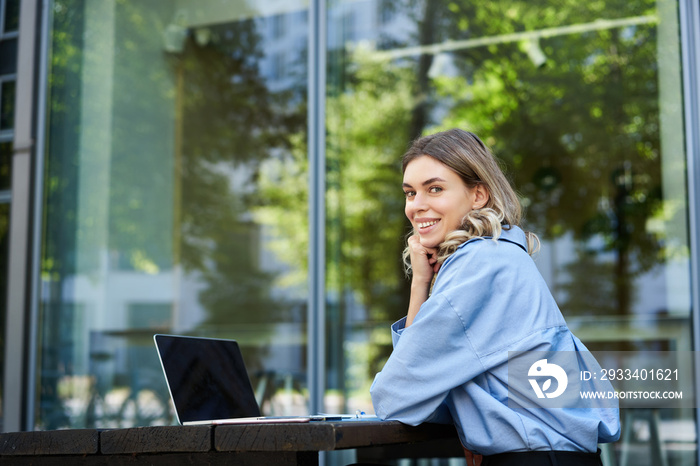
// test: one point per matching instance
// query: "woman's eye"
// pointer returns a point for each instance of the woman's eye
(409, 194)
(435, 189)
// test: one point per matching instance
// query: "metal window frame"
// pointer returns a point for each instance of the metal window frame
(316, 307)
(42, 89)
(5, 34)
(9, 35)
(689, 16)
(20, 260)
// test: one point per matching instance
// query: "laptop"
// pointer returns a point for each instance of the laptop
(208, 383)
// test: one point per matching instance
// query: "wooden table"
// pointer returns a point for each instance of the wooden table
(251, 444)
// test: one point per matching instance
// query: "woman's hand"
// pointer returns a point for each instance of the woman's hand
(423, 261)
(424, 266)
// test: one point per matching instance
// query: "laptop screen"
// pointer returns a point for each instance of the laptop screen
(207, 378)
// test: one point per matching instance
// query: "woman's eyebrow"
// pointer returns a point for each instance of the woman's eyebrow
(433, 180)
(426, 182)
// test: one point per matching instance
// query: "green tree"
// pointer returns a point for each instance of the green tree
(232, 125)
(579, 134)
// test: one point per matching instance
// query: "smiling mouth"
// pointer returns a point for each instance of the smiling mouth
(426, 224)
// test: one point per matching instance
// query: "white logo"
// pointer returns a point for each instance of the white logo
(541, 369)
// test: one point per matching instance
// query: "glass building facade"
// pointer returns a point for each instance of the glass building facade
(232, 169)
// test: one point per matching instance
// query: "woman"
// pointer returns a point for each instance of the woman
(476, 295)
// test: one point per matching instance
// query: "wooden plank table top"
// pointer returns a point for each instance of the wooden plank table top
(324, 436)
(283, 443)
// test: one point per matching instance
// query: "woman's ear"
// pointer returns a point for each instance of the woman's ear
(481, 196)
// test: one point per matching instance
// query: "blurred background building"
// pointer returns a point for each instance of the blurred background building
(231, 168)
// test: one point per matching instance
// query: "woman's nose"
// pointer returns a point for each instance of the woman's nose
(419, 203)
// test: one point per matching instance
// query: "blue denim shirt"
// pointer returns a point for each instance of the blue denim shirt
(450, 365)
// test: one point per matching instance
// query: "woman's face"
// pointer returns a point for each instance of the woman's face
(437, 199)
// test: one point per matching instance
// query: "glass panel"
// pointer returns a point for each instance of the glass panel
(583, 106)
(7, 105)
(169, 145)
(8, 56)
(4, 252)
(11, 15)
(5, 165)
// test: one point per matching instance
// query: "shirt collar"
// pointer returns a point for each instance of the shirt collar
(515, 235)
(512, 234)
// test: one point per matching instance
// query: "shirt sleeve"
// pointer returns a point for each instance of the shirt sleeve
(430, 358)
(396, 330)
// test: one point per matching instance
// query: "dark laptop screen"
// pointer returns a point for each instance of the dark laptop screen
(207, 378)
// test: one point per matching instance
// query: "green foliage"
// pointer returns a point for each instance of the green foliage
(368, 131)
(579, 135)
(235, 132)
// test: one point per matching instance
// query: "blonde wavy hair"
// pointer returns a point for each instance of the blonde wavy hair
(465, 154)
